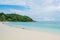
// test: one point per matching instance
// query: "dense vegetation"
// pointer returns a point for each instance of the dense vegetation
(14, 18)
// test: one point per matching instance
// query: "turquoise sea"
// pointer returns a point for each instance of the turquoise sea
(53, 27)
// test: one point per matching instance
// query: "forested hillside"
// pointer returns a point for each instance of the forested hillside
(14, 18)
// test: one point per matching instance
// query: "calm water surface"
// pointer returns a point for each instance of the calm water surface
(38, 26)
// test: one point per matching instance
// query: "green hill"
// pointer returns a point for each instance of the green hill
(14, 18)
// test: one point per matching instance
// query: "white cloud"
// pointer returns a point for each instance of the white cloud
(47, 19)
(43, 9)
(36, 5)
(18, 12)
(12, 2)
(38, 8)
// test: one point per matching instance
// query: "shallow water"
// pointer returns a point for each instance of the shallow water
(53, 27)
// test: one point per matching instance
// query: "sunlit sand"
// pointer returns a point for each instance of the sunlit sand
(12, 33)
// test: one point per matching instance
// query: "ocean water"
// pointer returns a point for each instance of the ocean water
(53, 27)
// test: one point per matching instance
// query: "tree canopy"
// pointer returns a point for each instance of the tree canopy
(14, 18)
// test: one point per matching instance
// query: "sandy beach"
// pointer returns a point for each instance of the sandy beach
(12, 33)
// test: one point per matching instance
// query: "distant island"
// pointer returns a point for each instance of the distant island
(14, 18)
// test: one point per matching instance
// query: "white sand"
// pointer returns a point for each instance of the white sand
(12, 33)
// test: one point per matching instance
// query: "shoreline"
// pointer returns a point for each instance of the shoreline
(42, 30)
(13, 33)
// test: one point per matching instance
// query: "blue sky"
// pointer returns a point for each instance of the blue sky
(13, 7)
(39, 10)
